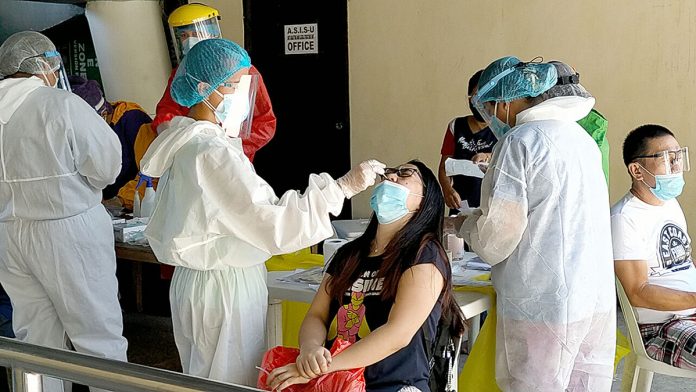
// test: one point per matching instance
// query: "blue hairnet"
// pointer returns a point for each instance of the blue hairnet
(521, 80)
(211, 61)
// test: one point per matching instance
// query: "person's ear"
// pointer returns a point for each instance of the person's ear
(203, 89)
(635, 171)
(503, 108)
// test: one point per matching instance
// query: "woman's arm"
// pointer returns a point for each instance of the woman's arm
(419, 288)
(314, 358)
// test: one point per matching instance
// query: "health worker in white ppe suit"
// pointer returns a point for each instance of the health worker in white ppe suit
(57, 259)
(544, 227)
(217, 222)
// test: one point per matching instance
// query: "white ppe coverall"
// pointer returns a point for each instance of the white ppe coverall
(57, 260)
(544, 227)
(218, 222)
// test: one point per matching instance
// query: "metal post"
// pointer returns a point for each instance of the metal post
(18, 380)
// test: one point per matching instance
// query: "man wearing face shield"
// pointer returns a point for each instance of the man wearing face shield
(57, 258)
(652, 248)
(217, 222)
(189, 25)
(544, 227)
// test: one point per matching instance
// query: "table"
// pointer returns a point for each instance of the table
(135, 253)
(139, 254)
(472, 305)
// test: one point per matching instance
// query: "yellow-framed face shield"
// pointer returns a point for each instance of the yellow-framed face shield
(190, 24)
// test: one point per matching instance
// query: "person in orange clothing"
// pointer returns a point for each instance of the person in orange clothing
(190, 24)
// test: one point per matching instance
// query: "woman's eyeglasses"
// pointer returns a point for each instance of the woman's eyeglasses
(402, 172)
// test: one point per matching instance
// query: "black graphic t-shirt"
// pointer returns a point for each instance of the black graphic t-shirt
(363, 311)
(658, 236)
(462, 143)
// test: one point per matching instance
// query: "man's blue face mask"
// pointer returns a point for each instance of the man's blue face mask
(667, 186)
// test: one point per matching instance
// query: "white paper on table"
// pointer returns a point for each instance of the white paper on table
(462, 167)
(474, 264)
(310, 276)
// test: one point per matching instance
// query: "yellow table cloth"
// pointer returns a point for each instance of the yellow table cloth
(478, 373)
(294, 312)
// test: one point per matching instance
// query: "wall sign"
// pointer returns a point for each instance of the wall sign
(301, 39)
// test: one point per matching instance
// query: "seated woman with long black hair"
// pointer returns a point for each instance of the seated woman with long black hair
(382, 291)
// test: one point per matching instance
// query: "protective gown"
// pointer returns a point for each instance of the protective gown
(544, 227)
(57, 259)
(218, 222)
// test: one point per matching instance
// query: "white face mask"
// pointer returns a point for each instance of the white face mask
(188, 44)
(232, 111)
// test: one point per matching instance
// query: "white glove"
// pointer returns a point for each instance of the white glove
(360, 177)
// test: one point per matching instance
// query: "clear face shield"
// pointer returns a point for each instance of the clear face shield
(488, 114)
(235, 112)
(185, 37)
(670, 162)
(54, 74)
(247, 87)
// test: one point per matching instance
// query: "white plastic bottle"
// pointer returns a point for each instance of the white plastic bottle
(148, 205)
(136, 204)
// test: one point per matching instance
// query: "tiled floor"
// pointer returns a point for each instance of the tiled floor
(150, 341)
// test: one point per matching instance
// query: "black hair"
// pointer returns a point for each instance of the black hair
(400, 254)
(473, 81)
(636, 142)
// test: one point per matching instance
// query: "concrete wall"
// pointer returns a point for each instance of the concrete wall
(410, 61)
(231, 18)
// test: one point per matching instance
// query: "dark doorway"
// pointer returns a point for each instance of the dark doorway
(301, 50)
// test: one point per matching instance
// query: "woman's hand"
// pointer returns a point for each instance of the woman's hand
(313, 361)
(285, 376)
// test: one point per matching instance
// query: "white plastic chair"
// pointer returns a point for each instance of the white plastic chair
(643, 366)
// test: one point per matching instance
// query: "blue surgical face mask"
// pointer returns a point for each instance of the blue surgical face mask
(498, 127)
(668, 186)
(388, 201)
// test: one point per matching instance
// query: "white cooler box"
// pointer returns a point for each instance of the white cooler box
(350, 229)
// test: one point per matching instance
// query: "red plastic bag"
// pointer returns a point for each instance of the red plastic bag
(343, 381)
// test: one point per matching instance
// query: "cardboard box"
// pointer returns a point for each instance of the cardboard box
(124, 232)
